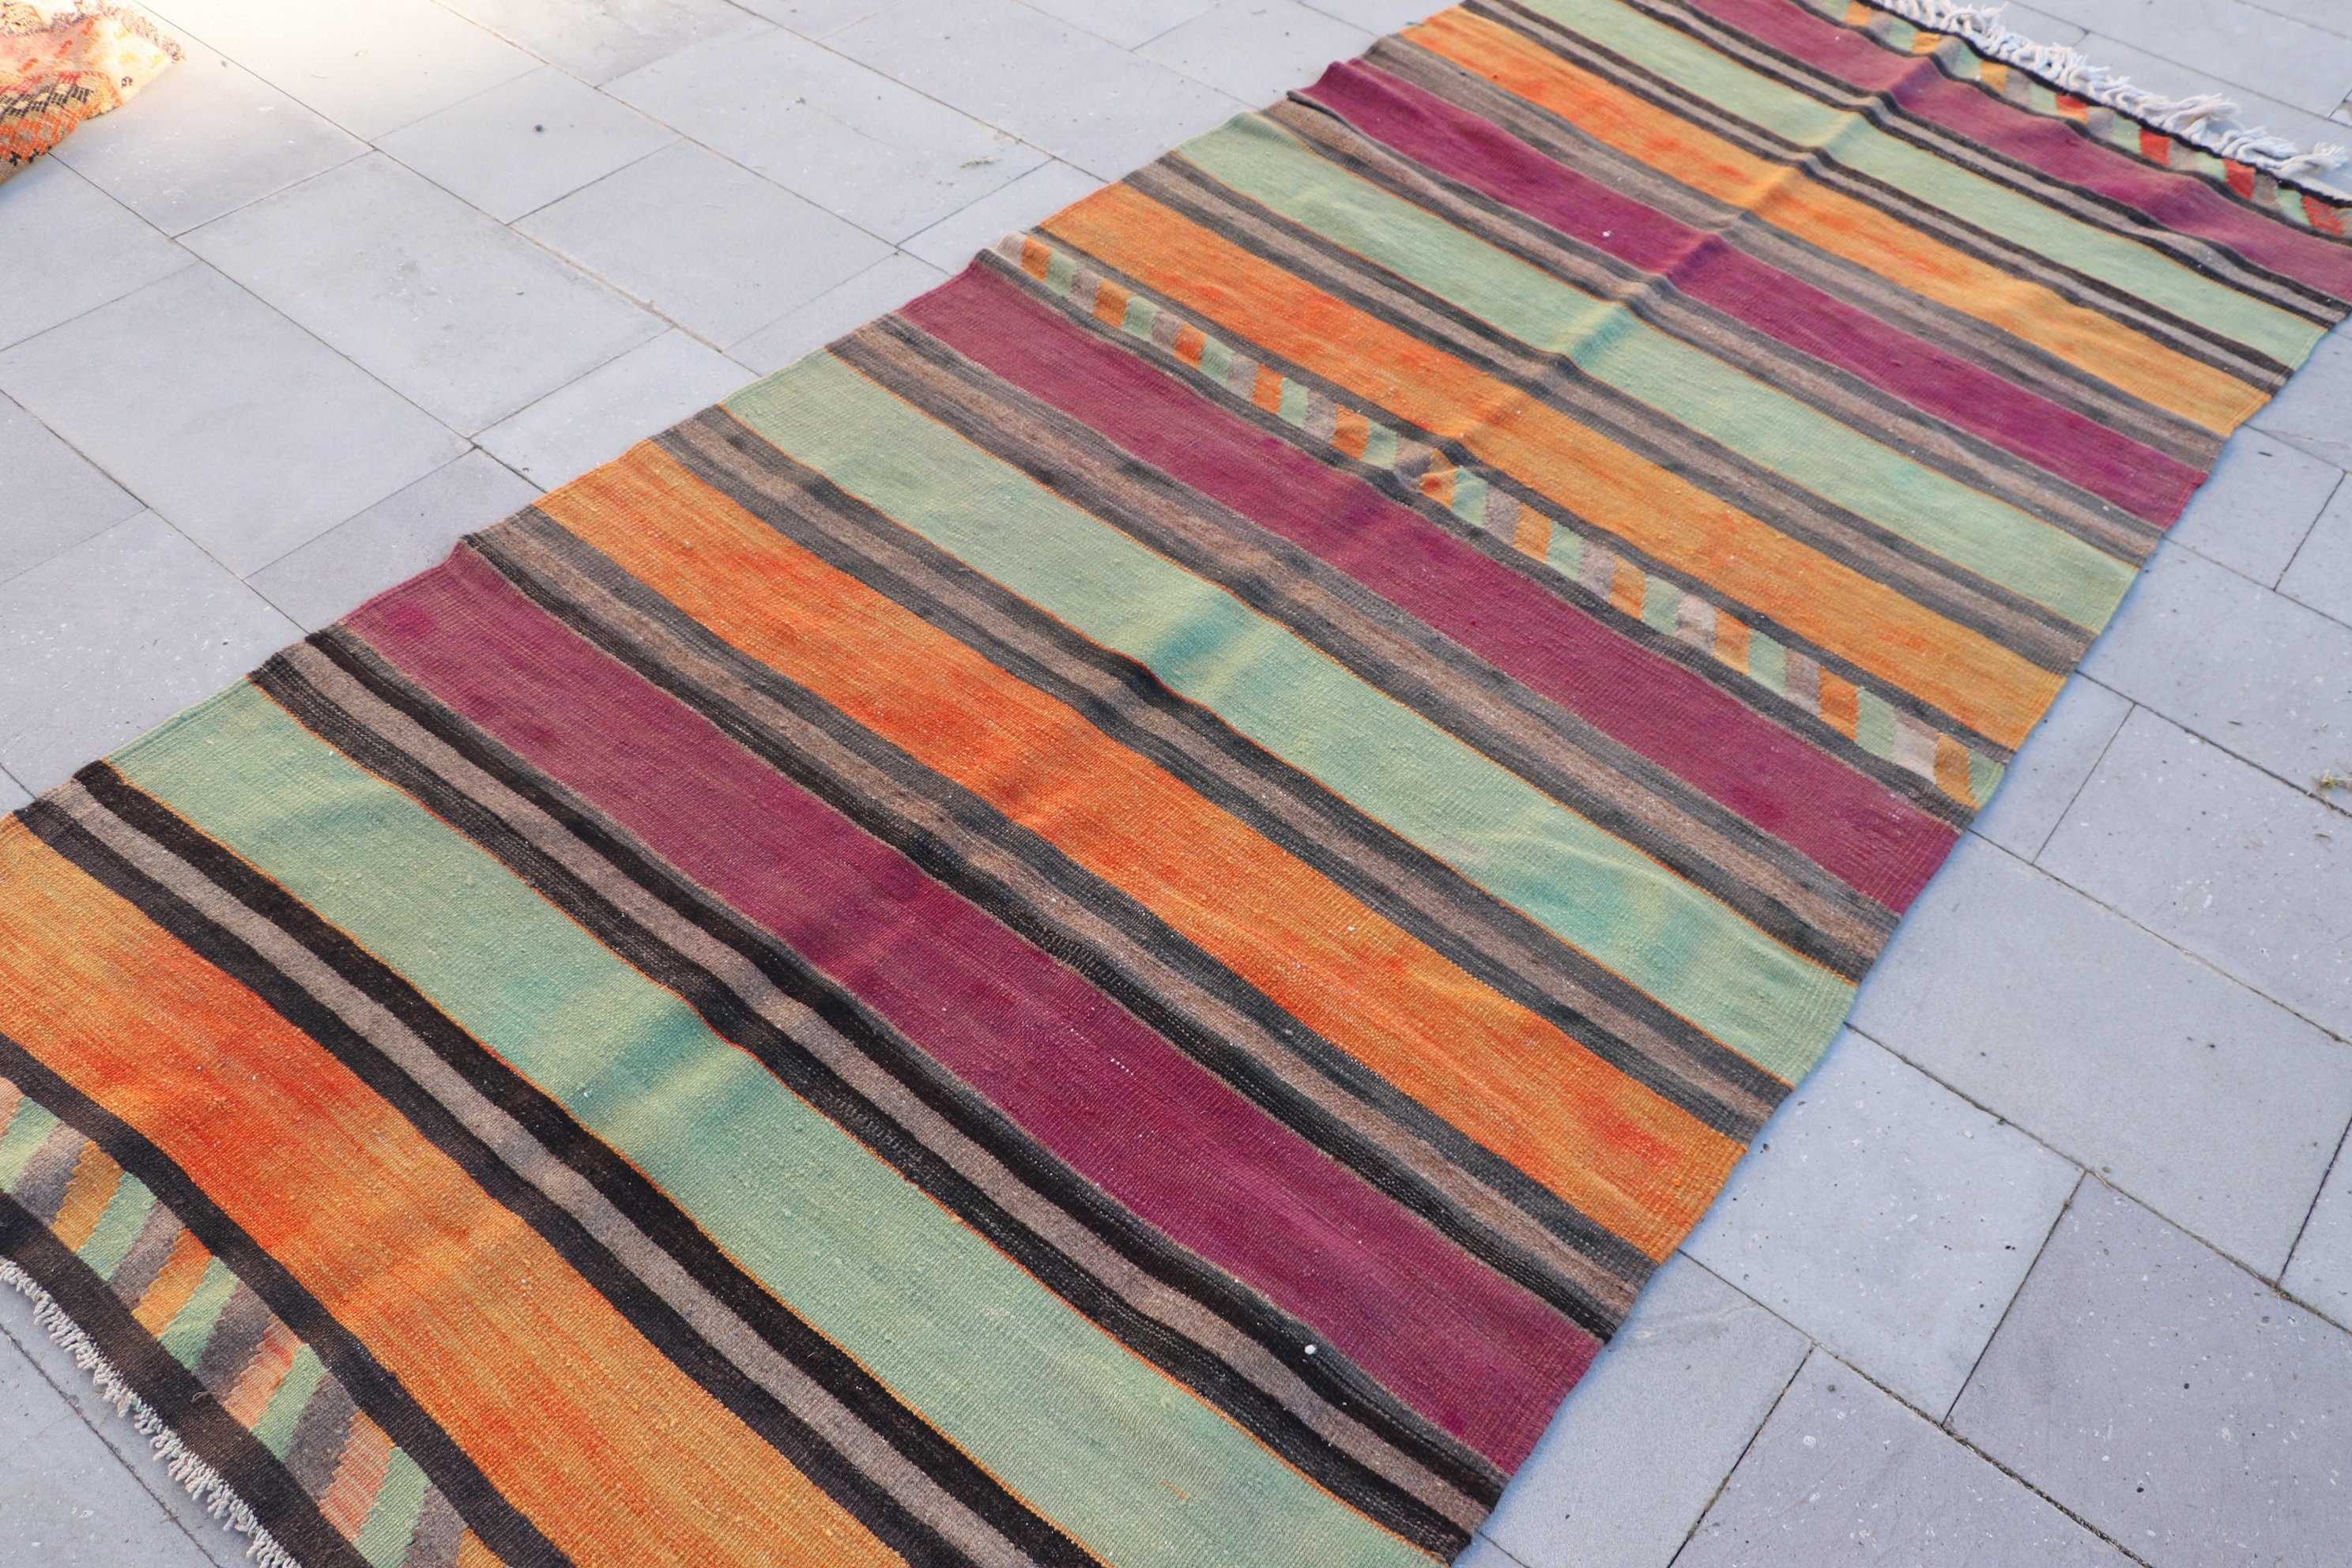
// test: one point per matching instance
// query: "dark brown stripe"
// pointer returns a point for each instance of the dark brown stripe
(128, 837)
(502, 1528)
(2211, 257)
(1982, 342)
(2187, 338)
(1960, 595)
(1482, 1201)
(1880, 416)
(834, 1052)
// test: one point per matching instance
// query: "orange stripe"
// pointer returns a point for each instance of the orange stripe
(1631, 1159)
(613, 1452)
(174, 1283)
(359, 1476)
(95, 1177)
(273, 1358)
(1961, 672)
(1792, 201)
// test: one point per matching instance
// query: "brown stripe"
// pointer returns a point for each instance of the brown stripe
(1414, 1156)
(1845, 397)
(2031, 367)
(148, 1252)
(524, 1154)
(662, 923)
(1950, 589)
(2184, 337)
(237, 1334)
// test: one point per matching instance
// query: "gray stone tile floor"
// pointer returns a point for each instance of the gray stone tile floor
(2050, 1264)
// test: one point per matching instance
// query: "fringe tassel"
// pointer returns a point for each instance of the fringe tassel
(2207, 121)
(203, 1482)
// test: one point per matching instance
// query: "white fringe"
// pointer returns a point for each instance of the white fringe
(203, 1483)
(2208, 120)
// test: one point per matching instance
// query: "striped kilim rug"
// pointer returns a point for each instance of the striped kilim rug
(1113, 920)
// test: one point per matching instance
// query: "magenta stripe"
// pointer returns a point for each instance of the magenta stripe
(2180, 201)
(1489, 159)
(1474, 1352)
(1850, 823)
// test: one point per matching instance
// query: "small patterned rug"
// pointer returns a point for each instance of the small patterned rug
(59, 68)
(1113, 920)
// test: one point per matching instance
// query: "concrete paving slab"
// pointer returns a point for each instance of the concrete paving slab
(2258, 505)
(2157, 1390)
(885, 286)
(2051, 766)
(2225, 861)
(2248, 669)
(458, 313)
(370, 66)
(2228, 41)
(2321, 574)
(393, 539)
(113, 636)
(1258, 50)
(67, 1502)
(813, 18)
(12, 794)
(1888, 1218)
(526, 143)
(609, 410)
(709, 244)
(849, 139)
(209, 137)
(2321, 1272)
(1644, 1443)
(1034, 197)
(2315, 409)
(597, 40)
(71, 247)
(1374, 17)
(246, 431)
(139, 1483)
(1129, 23)
(1079, 97)
(1844, 1475)
(51, 497)
(2212, 1104)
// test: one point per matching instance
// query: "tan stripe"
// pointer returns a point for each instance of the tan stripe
(174, 1283)
(359, 1476)
(272, 1358)
(95, 1177)
(529, 1159)
(1162, 1302)
(1081, 926)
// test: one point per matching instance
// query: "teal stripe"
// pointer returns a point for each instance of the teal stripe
(2137, 269)
(191, 1328)
(399, 1502)
(275, 1430)
(28, 1131)
(1129, 1462)
(1501, 832)
(117, 1228)
(1257, 158)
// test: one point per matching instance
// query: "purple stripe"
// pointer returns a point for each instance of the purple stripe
(1847, 822)
(1487, 158)
(1474, 1352)
(2180, 201)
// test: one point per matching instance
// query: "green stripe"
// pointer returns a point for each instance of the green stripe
(2137, 269)
(191, 1328)
(26, 1133)
(1128, 1462)
(1608, 341)
(383, 1539)
(1660, 932)
(275, 1430)
(107, 1244)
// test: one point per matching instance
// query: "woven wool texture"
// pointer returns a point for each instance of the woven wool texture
(57, 68)
(1113, 920)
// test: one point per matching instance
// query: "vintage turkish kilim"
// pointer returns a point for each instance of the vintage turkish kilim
(57, 67)
(1113, 920)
